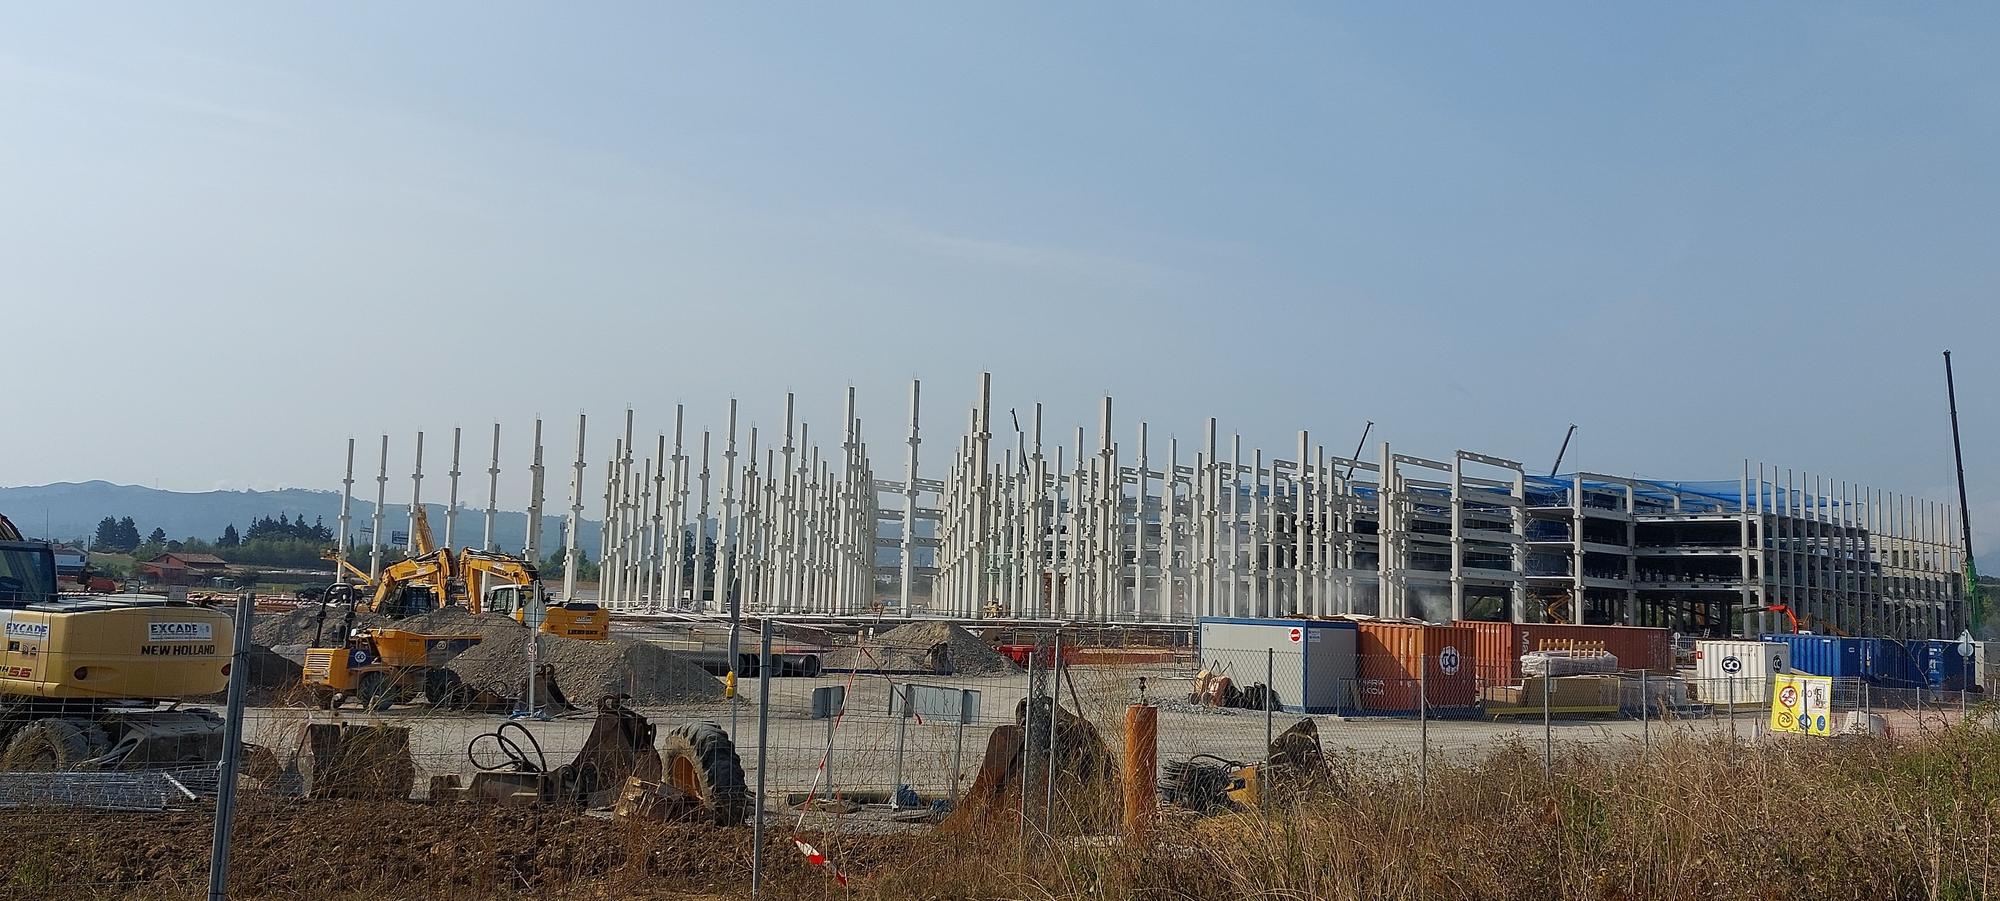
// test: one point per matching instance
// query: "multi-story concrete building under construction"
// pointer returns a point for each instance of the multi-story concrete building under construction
(1010, 522)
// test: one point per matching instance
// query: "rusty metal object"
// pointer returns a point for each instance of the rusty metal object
(352, 761)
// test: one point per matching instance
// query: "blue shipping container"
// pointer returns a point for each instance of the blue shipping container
(1881, 661)
(1943, 667)
(1827, 655)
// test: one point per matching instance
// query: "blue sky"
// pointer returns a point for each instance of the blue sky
(246, 233)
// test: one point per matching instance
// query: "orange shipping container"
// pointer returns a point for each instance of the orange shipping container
(1499, 646)
(1392, 657)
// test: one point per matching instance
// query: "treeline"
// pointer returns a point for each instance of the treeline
(269, 541)
(286, 541)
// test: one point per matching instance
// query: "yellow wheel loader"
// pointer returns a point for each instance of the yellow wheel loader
(92, 681)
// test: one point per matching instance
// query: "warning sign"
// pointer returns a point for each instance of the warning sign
(1802, 704)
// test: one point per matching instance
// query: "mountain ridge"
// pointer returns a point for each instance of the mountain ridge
(66, 511)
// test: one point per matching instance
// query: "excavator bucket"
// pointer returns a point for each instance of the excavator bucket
(1085, 775)
(620, 746)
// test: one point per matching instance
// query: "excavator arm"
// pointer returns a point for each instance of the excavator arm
(482, 570)
(433, 571)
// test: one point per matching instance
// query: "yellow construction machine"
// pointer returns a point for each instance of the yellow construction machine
(503, 583)
(1295, 763)
(82, 676)
(383, 667)
(474, 579)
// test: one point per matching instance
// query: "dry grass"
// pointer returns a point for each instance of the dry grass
(1690, 818)
(1693, 818)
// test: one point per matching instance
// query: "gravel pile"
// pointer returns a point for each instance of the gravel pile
(903, 649)
(588, 670)
(460, 621)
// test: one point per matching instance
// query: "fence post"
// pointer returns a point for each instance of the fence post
(958, 743)
(1423, 731)
(1732, 707)
(232, 753)
(1548, 727)
(1270, 679)
(1028, 761)
(1055, 714)
(763, 745)
(1645, 713)
(902, 737)
(1142, 755)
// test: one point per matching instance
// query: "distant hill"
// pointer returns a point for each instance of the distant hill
(66, 511)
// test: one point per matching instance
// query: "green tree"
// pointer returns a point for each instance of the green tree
(128, 534)
(158, 536)
(229, 537)
(107, 535)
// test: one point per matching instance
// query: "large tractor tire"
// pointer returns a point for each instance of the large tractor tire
(53, 744)
(699, 759)
(376, 690)
(444, 689)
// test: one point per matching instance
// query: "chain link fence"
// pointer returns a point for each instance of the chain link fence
(893, 743)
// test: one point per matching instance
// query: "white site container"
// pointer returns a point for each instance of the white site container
(1738, 671)
(1311, 662)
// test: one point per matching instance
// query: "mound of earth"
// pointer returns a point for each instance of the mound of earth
(906, 649)
(273, 678)
(300, 625)
(588, 670)
(460, 621)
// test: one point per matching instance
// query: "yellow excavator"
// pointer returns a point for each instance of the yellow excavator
(83, 677)
(385, 666)
(474, 579)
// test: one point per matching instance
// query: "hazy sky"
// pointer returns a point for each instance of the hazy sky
(233, 236)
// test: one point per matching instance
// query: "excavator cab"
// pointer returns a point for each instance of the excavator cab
(27, 573)
(581, 620)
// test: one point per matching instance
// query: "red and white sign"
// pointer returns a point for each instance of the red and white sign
(1297, 635)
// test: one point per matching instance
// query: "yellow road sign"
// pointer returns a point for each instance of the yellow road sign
(1802, 704)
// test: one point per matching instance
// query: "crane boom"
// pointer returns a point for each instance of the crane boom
(1975, 605)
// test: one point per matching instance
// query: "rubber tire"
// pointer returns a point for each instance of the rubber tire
(443, 688)
(704, 752)
(50, 744)
(376, 691)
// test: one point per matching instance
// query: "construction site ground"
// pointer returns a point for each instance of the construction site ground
(399, 850)
(866, 738)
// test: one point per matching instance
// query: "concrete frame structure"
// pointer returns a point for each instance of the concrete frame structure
(1083, 531)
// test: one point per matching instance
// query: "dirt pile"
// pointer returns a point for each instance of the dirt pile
(299, 626)
(588, 670)
(906, 649)
(460, 621)
(273, 678)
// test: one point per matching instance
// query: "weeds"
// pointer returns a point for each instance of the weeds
(1693, 818)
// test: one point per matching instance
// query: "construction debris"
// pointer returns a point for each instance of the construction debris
(345, 760)
(95, 790)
